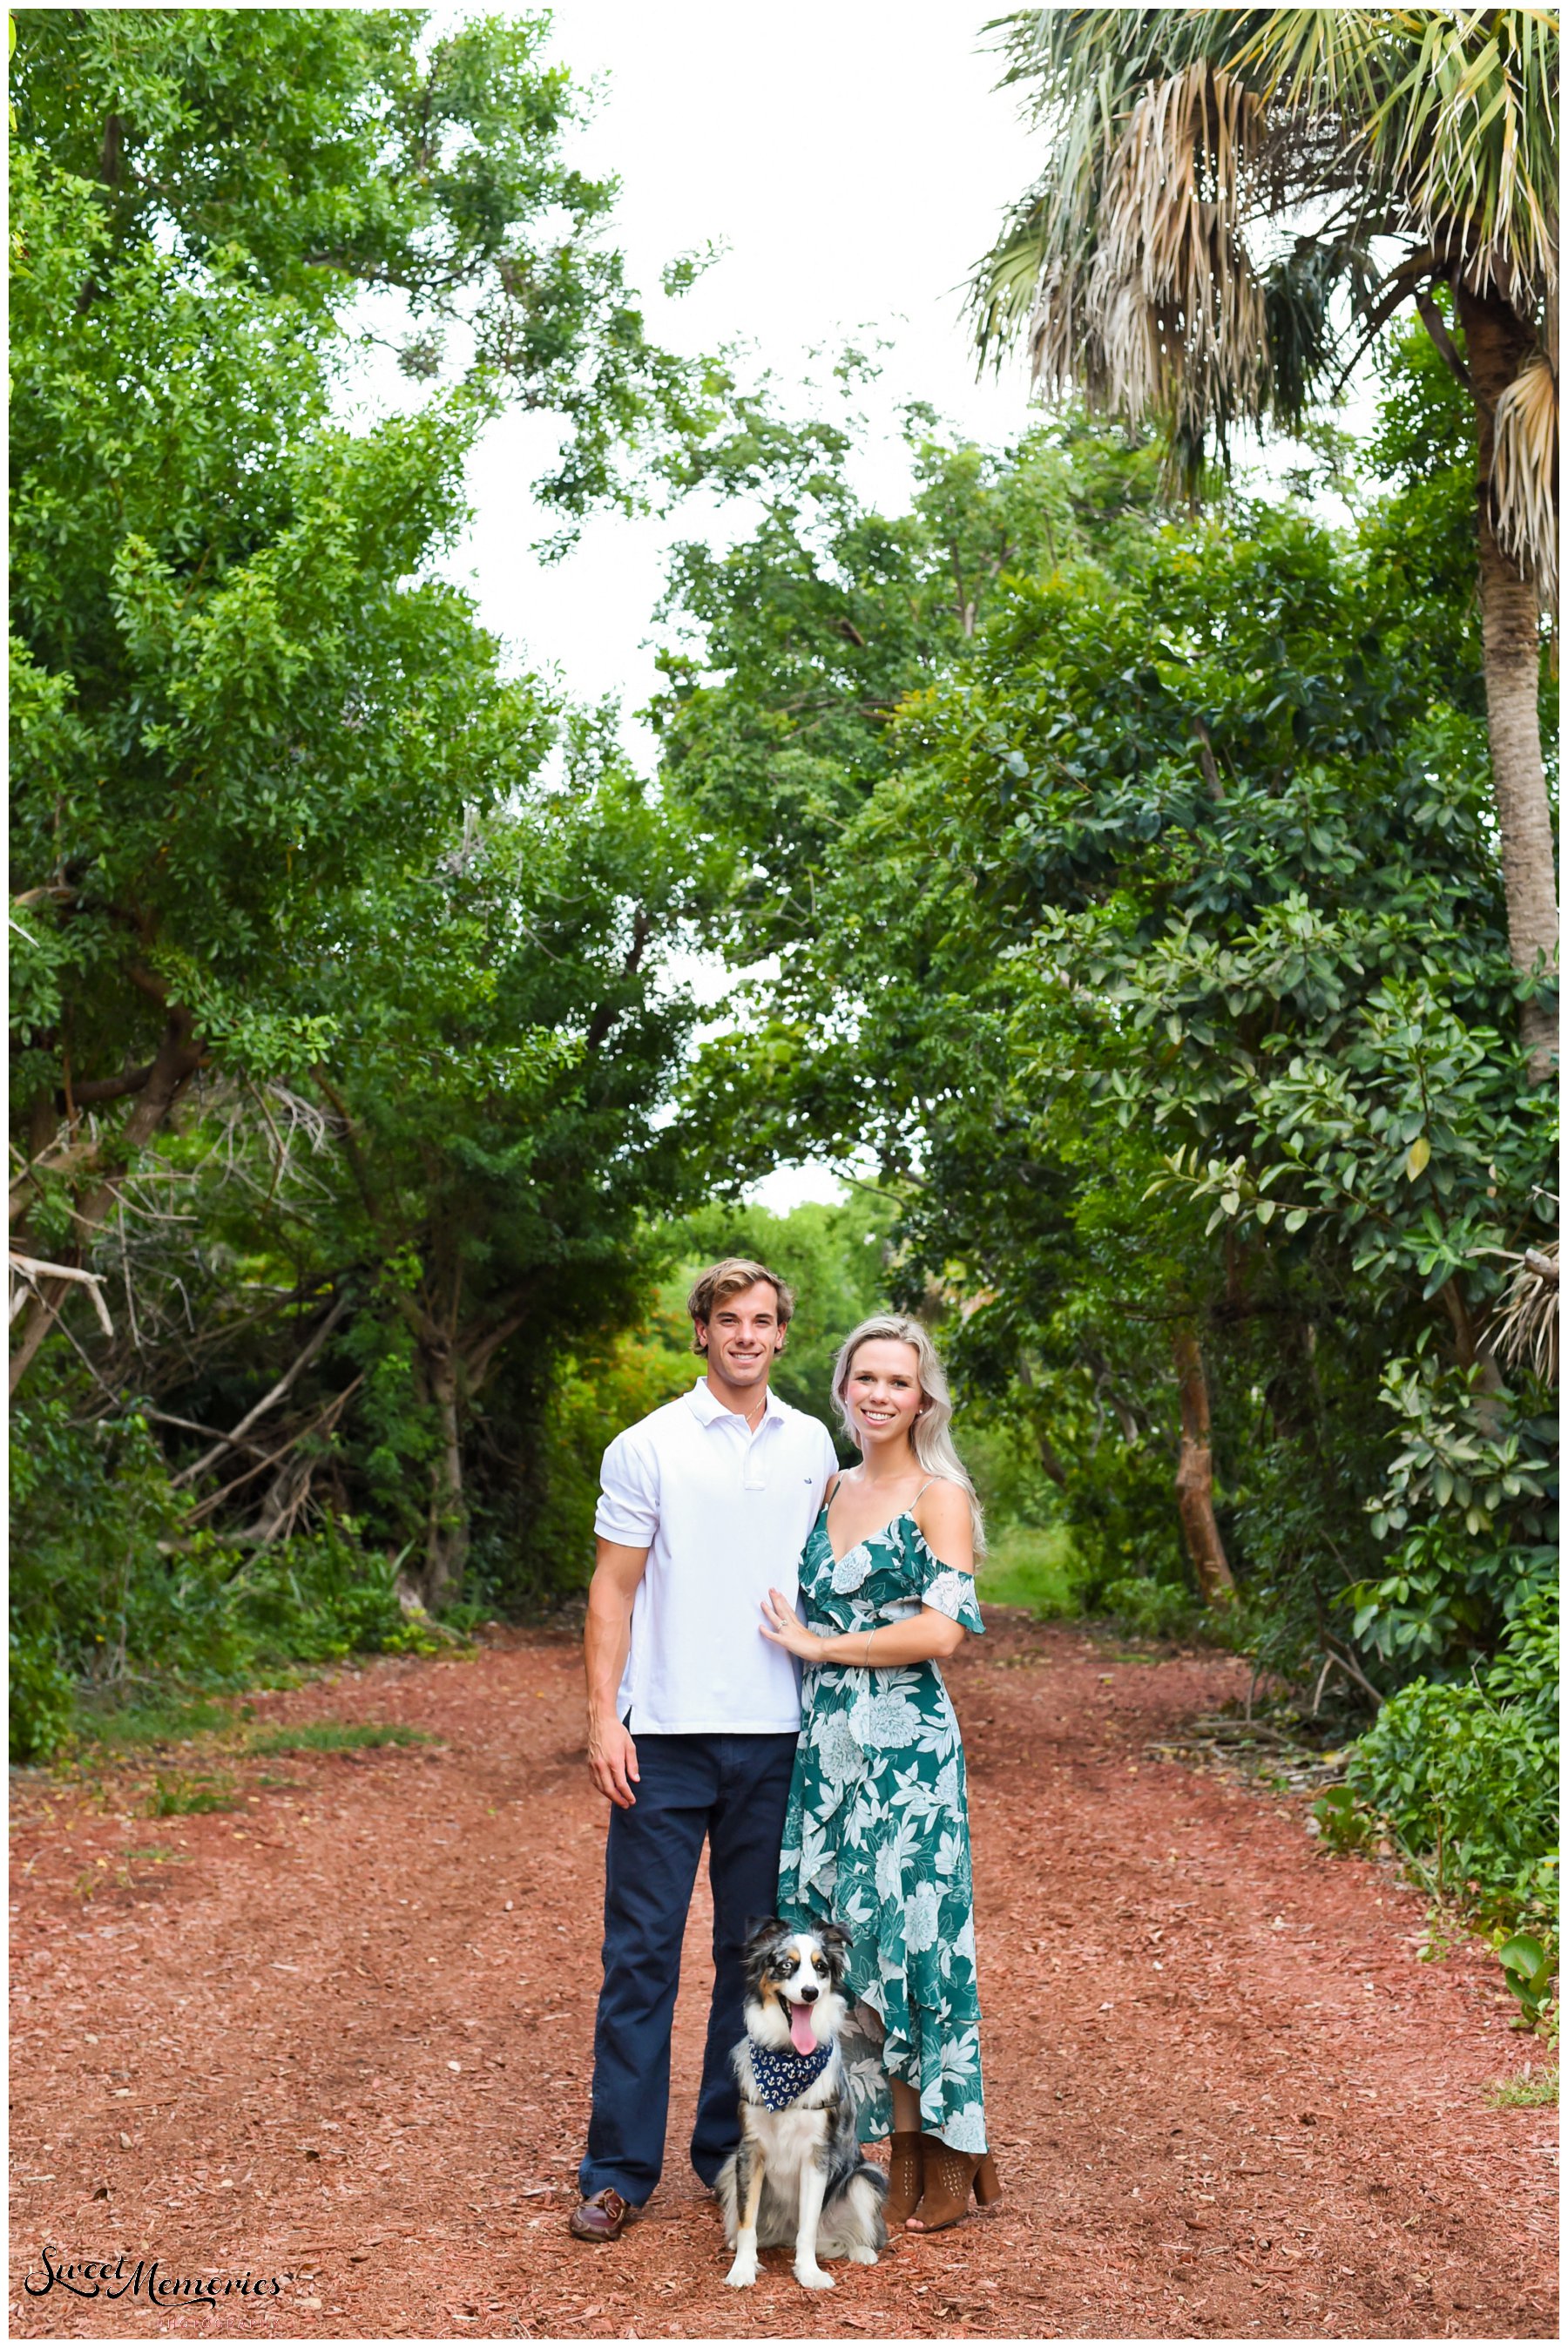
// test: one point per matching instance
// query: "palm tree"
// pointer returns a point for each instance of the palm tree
(1236, 200)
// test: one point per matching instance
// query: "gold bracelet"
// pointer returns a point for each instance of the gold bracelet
(865, 1658)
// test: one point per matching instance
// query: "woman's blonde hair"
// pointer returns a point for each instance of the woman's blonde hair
(933, 1443)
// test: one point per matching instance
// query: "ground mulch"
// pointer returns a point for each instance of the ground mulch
(341, 2035)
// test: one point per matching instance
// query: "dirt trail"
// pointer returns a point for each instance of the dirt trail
(345, 2037)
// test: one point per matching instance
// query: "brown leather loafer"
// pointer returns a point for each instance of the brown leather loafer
(602, 2218)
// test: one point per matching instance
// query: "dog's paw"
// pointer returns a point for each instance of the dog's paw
(813, 2279)
(743, 2274)
(863, 2255)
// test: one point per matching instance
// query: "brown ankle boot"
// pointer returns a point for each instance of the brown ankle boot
(950, 2178)
(905, 2176)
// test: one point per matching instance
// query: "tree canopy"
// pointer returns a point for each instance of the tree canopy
(1183, 147)
(337, 949)
(1143, 898)
(1162, 957)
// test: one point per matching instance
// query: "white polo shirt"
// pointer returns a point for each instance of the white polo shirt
(724, 1515)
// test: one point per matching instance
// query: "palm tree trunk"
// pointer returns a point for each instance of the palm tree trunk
(1496, 346)
(1195, 1473)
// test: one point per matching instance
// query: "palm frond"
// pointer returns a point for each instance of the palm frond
(1453, 115)
(1302, 334)
(1171, 134)
(1085, 70)
(1159, 308)
(1003, 287)
(1524, 1328)
(1524, 474)
(1184, 308)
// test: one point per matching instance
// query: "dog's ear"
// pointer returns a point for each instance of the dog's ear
(834, 1940)
(761, 1930)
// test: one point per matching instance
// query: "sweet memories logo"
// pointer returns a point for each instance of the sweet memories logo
(148, 2278)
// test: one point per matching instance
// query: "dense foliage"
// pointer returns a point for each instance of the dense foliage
(1120, 887)
(1159, 952)
(338, 1011)
(1467, 1773)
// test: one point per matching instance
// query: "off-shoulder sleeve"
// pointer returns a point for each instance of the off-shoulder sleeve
(945, 1588)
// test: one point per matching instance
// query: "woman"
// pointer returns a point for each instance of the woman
(877, 1836)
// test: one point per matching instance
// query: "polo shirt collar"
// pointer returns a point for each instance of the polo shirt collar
(708, 1408)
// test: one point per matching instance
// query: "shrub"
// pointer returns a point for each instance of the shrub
(1031, 1566)
(43, 1697)
(113, 1594)
(1156, 1610)
(1466, 1775)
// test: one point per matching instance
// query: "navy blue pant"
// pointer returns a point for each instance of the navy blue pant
(735, 1791)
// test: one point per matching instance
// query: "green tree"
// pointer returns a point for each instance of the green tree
(1166, 965)
(342, 1038)
(1401, 151)
(791, 652)
(239, 696)
(320, 156)
(503, 1032)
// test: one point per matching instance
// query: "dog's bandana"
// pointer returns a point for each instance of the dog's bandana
(781, 2075)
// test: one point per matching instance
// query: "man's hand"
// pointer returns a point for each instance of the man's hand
(612, 1763)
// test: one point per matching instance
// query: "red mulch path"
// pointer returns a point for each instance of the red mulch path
(348, 2040)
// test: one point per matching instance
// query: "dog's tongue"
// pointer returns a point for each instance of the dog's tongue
(801, 2031)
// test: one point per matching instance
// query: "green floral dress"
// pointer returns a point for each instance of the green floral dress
(877, 1836)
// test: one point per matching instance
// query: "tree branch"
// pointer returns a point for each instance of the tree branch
(275, 1395)
(88, 1089)
(605, 1017)
(1354, 1672)
(1436, 325)
(205, 1508)
(32, 1271)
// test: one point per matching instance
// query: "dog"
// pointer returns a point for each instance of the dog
(799, 2176)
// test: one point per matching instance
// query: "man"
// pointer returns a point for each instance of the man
(693, 1717)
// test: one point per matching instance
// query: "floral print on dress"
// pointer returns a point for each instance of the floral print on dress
(852, 1569)
(877, 1836)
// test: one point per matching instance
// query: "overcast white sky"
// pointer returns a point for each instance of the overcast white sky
(854, 159)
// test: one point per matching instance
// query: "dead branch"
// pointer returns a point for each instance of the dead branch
(32, 1273)
(194, 1426)
(323, 1419)
(1354, 1670)
(273, 1395)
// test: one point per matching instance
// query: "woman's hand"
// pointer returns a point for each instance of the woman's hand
(784, 1626)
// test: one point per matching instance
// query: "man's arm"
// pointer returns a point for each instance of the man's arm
(606, 1643)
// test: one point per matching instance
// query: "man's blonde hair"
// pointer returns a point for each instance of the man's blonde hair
(730, 1278)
